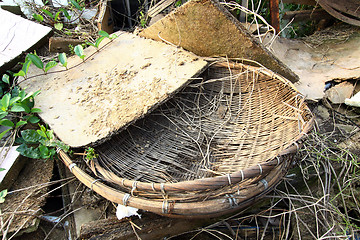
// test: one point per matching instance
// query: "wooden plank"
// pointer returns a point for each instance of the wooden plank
(274, 14)
(18, 35)
(304, 15)
(117, 85)
(206, 28)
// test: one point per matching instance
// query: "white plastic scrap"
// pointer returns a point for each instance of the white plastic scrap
(354, 101)
(126, 211)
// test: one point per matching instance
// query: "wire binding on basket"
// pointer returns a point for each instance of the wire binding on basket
(232, 200)
(134, 185)
(165, 207)
(126, 199)
(260, 169)
(265, 183)
(162, 188)
(93, 182)
(229, 178)
(71, 166)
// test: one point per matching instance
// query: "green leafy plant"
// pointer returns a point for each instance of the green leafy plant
(17, 109)
(35, 59)
(76, 5)
(39, 144)
(102, 35)
(63, 59)
(4, 192)
(79, 51)
(142, 19)
(90, 154)
(54, 19)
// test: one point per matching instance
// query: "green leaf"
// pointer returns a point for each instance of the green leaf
(58, 26)
(78, 49)
(22, 94)
(3, 194)
(47, 12)
(29, 152)
(62, 145)
(6, 79)
(41, 133)
(57, 15)
(4, 132)
(5, 101)
(38, 17)
(20, 123)
(26, 66)
(76, 5)
(103, 33)
(98, 41)
(21, 73)
(63, 59)
(33, 119)
(6, 123)
(36, 110)
(2, 169)
(44, 152)
(31, 136)
(90, 44)
(36, 93)
(50, 65)
(14, 99)
(66, 14)
(113, 36)
(50, 134)
(18, 108)
(3, 114)
(36, 60)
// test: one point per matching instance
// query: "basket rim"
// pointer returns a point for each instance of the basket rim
(205, 208)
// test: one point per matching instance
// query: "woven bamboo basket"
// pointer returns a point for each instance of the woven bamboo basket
(217, 146)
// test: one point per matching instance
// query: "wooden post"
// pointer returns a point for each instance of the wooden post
(274, 14)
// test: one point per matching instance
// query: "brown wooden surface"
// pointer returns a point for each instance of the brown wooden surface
(274, 15)
(60, 44)
(302, 15)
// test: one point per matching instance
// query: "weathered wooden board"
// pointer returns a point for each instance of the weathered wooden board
(206, 28)
(121, 83)
(17, 35)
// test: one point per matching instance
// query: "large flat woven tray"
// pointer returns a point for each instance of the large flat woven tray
(227, 138)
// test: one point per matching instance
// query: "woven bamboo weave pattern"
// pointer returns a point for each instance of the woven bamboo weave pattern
(227, 122)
